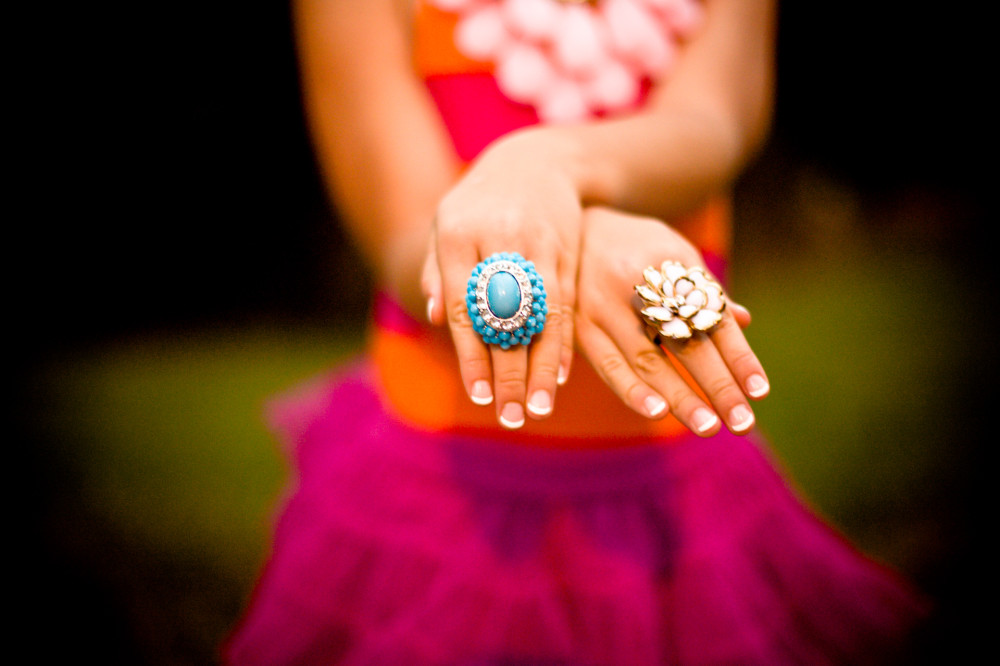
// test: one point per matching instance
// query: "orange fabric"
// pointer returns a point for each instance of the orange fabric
(710, 229)
(434, 51)
(419, 378)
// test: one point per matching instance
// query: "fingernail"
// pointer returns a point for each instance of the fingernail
(737, 306)
(563, 375)
(512, 415)
(430, 309)
(740, 418)
(481, 393)
(704, 419)
(654, 405)
(757, 386)
(540, 403)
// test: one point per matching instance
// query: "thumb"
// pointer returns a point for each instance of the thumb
(430, 285)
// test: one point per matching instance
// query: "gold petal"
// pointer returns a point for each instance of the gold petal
(675, 329)
(683, 286)
(698, 298)
(647, 294)
(673, 270)
(716, 301)
(687, 311)
(653, 277)
(705, 320)
(698, 276)
(657, 313)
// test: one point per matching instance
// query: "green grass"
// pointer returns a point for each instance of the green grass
(166, 434)
(866, 360)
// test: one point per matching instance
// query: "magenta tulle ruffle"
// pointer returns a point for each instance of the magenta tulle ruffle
(402, 547)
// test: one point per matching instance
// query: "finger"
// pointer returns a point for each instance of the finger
(567, 300)
(473, 356)
(740, 359)
(612, 367)
(702, 360)
(430, 285)
(648, 361)
(510, 369)
(546, 354)
(640, 375)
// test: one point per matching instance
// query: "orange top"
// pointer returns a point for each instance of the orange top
(416, 365)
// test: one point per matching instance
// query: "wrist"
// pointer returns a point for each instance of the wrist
(560, 152)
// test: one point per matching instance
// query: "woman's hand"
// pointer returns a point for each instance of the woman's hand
(516, 198)
(611, 335)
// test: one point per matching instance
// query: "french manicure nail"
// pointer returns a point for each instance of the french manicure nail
(512, 415)
(757, 386)
(481, 394)
(737, 306)
(740, 418)
(654, 405)
(704, 419)
(540, 403)
(430, 309)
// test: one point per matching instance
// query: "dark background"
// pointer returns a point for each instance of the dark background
(167, 182)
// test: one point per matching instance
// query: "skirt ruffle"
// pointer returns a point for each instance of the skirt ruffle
(398, 546)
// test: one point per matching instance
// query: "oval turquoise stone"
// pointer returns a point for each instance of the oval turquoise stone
(503, 295)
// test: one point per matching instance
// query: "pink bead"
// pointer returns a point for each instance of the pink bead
(571, 60)
(563, 102)
(683, 16)
(614, 87)
(534, 19)
(637, 35)
(581, 44)
(523, 73)
(481, 34)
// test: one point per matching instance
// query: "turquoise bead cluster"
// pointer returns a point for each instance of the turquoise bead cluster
(506, 300)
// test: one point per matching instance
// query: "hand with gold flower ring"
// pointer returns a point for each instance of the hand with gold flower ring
(610, 334)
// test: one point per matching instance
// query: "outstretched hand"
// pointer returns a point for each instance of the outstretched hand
(508, 202)
(611, 335)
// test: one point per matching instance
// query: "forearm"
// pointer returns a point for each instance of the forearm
(384, 156)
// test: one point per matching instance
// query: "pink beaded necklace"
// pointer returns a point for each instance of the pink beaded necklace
(570, 59)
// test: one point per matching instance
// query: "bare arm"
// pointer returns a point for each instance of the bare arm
(383, 152)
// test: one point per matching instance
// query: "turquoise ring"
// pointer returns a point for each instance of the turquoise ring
(506, 300)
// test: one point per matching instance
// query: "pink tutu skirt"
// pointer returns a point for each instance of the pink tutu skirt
(398, 546)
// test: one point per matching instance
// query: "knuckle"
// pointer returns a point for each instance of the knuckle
(510, 380)
(545, 370)
(610, 366)
(458, 315)
(744, 362)
(475, 366)
(555, 318)
(687, 349)
(649, 361)
(723, 390)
